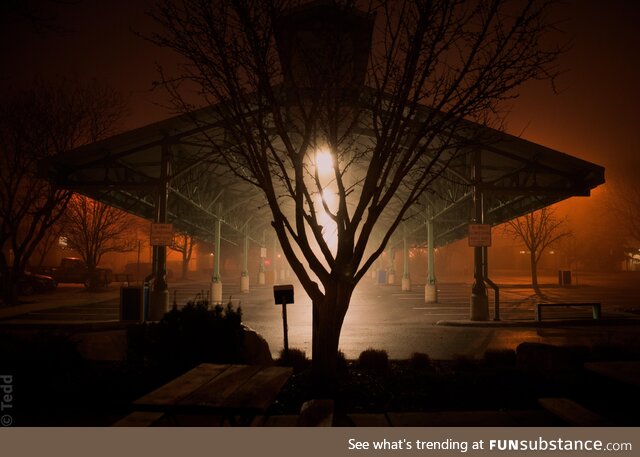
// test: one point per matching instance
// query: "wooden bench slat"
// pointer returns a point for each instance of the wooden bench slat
(259, 391)
(216, 392)
(139, 419)
(181, 386)
(572, 413)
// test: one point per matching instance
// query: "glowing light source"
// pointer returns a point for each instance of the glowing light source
(324, 162)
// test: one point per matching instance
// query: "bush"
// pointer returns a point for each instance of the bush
(297, 359)
(463, 363)
(420, 361)
(374, 359)
(342, 363)
(500, 357)
(189, 336)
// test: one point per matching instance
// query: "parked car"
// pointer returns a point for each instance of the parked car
(32, 283)
(74, 270)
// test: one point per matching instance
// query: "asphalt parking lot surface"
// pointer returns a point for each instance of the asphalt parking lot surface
(384, 317)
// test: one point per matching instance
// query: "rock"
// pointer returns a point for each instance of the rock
(255, 348)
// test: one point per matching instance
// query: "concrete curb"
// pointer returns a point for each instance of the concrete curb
(546, 323)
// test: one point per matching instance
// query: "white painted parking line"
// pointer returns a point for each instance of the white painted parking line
(441, 307)
(446, 314)
(65, 314)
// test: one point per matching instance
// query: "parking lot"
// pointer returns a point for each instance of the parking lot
(384, 317)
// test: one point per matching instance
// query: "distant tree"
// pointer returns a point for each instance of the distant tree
(183, 243)
(93, 229)
(50, 239)
(538, 231)
(299, 106)
(623, 201)
(37, 123)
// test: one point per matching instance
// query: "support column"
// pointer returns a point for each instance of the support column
(274, 264)
(244, 276)
(406, 280)
(430, 288)
(391, 272)
(159, 295)
(216, 281)
(479, 298)
(262, 280)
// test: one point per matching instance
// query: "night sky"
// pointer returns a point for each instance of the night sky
(594, 116)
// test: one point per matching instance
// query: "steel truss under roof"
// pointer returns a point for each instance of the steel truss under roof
(515, 176)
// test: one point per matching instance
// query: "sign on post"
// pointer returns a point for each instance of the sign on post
(161, 234)
(479, 235)
(283, 295)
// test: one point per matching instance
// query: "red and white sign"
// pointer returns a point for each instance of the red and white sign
(161, 234)
(479, 235)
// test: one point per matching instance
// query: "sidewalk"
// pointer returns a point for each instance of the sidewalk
(65, 296)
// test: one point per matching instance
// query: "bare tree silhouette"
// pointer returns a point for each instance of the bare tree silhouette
(345, 112)
(538, 231)
(94, 229)
(183, 243)
(35, 124)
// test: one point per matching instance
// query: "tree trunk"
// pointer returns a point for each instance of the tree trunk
(10, 275)
(9, 288)
(185, 265)
(534, 272)
(328, 316)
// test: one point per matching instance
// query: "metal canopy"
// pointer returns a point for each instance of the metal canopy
(516, 177)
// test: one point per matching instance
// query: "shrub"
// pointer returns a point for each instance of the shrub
(296, 358)
(500, 357)
(189, 336)
(420, 361)
(463, 363)
(342, 363)
(374, 359)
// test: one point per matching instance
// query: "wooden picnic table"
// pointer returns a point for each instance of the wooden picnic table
(627, 372)
(236, 392)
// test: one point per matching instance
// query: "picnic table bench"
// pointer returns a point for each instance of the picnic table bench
(237, 393)
(573, 413)
(626, 372)
(594, 306)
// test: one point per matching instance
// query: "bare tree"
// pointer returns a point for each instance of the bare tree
(35, 124)
(538, 231)
(623, 202)
(50, 239)
(183, 243)
(344, 113)
(93, 229)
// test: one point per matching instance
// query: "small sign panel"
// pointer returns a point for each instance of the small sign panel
(263, 253)
(283, 295)
(161, 234)
(479, 235)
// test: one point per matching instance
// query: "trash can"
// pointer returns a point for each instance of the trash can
(564, 277)
(382, 276)
(145, 301)
(134, 303)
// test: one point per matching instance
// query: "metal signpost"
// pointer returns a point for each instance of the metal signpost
(479, 235)
(161, 234)
(283, 295)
